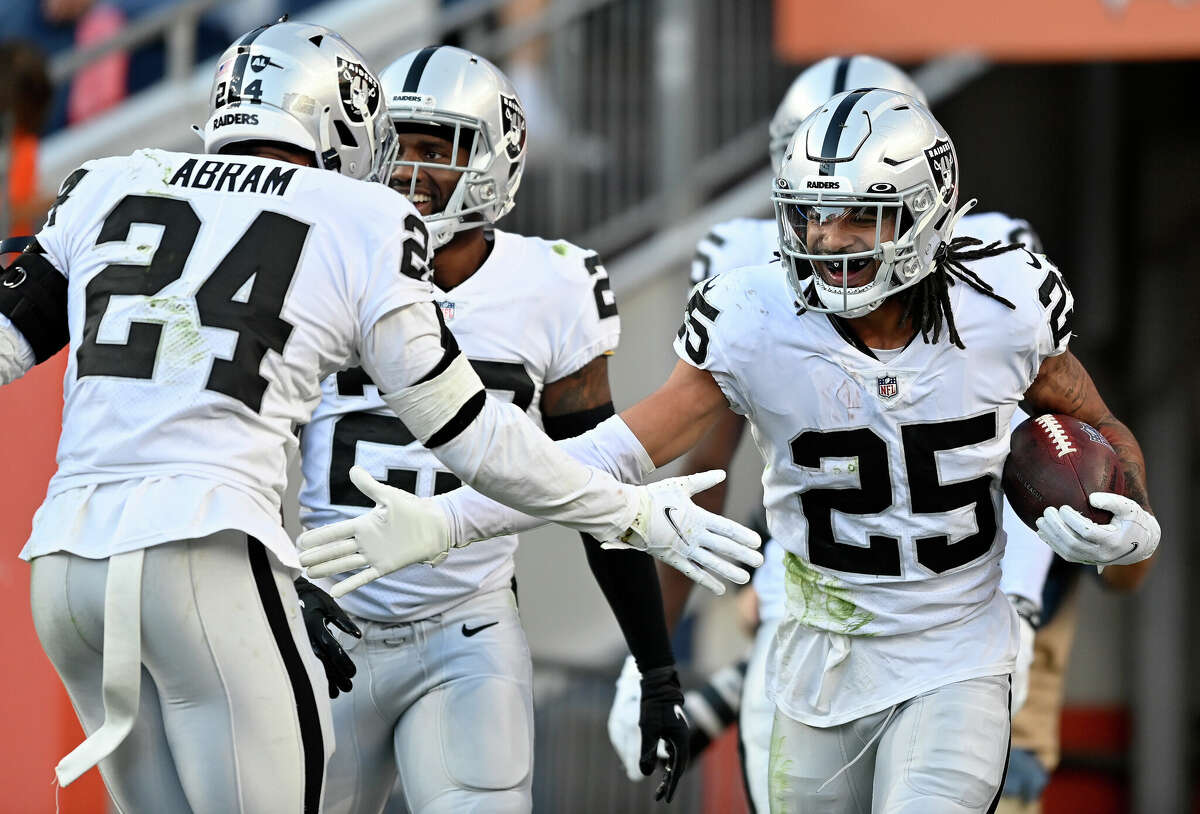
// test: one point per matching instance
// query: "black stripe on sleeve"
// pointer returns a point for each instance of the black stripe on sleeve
(312, 742)
(833, 134)
(449, 349)
(413, 78)
(33, 295)
(462, 419)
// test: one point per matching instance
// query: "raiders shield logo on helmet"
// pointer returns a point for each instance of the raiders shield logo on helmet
(359, 91)
(942, 167)
(513, 121)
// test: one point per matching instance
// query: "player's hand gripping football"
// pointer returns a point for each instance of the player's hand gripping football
(1131, 535)
(320, 611)
(669, 527)
(402, 529)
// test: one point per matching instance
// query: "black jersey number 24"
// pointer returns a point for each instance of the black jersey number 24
(928, 493)
(268, 252)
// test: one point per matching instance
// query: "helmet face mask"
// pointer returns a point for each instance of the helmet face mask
(864, 200)
(302, 85)
(474, 107)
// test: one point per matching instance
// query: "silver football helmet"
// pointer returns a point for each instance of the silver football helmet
(865, 197)
(475, 105)
(303, 85)
(826, 78)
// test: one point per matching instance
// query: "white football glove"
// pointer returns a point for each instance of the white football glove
(371, 540)
(1131, 535)
(669, 527)
(1020, 675)
(623, 729)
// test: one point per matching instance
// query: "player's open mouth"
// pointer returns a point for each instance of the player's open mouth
(851, 273)
(421, 201)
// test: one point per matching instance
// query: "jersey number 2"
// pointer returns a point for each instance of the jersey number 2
(268, 252)
(921, 442)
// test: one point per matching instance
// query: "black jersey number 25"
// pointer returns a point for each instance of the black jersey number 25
(268, 251)
(928, 494)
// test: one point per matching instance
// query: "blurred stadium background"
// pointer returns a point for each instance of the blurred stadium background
(647, 124)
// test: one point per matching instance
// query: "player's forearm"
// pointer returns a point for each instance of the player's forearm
(1129, 452)
(610, 447)
(1064, 386)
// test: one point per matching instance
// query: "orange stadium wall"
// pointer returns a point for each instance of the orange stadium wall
(39, 724)
(1015, 30)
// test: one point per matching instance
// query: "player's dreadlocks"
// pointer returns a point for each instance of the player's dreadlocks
(928, 302)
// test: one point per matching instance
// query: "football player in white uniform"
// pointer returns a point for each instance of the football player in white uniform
(204, 298)
(446, 697)
(879, 375)
(739, 695)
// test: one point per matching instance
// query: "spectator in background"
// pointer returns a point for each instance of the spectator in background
(24, 100)
(58, 26)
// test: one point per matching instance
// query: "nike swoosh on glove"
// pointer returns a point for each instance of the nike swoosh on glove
(1131, 536)
(320, 611)
(371, 542)
(662, 719)
(623, 731)
(671, 528)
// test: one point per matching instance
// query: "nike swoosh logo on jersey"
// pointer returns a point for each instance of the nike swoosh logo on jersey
(679, 714)
(471, 631)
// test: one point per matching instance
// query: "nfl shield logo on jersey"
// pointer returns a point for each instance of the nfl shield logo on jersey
(447, 309)
(888, 388)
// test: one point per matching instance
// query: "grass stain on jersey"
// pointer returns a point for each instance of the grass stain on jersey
(182, 344)
(823, 601)
(560, 249)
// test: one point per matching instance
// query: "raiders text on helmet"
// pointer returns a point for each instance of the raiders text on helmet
(872, 158)
(303, 85)
(826, 78)
(476, 106)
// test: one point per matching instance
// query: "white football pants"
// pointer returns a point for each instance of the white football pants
(943, 752)
(447, 702)
(228, 721)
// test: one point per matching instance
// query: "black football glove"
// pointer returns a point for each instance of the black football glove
(320, 610)
(662, 718)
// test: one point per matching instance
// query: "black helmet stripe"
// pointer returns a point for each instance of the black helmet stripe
(413, 78)
(234, 94)
(839, 75)
(833, 134)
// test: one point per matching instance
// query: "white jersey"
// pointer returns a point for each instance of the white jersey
(535, 312)
(881, 479)
(744, 242)
(207, 297)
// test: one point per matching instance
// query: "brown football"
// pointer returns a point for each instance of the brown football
(1056, 460)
